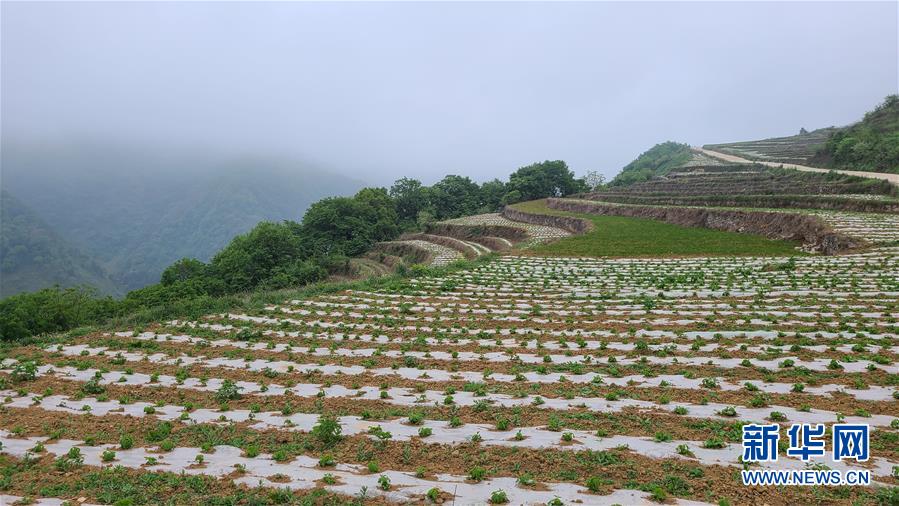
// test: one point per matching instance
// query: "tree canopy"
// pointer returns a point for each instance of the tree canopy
(544, 179)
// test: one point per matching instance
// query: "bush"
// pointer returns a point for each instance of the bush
(327, 431)
(499, 497)
(477, 474)
(251, 258)
(228, 391)
(52, 310)
(24, 371)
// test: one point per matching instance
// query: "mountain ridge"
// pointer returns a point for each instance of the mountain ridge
(153, 209)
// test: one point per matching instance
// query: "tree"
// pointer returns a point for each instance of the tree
(454, 196)
(251, 258)
(182, 270)
(511, 197)
(380, 210)
(410, 197)
(492, 193)
(348, 226)
(544, 179)
(594, 180)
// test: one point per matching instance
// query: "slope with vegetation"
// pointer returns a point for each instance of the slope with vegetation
(797, 149)
(657, 161)
(248, 379)
(826, 211)
(759, 186)
(274, 256)
(33, 255)
(524, 380)
(135, 212)
(624, 236)
(870, 145)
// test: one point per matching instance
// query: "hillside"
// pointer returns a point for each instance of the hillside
(871, 144)
(34, 256)
(136, 212)
(633, 376)
(656, 161)
(798, 149)
(609, 381)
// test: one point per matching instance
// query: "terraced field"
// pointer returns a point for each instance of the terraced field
(526, 379)
(873, 227)
(827, 212)
(446, 242)
(729, 180)
(797, 149)
(536, 233)
(527, 376)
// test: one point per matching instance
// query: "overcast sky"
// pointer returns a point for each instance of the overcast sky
(382, 90)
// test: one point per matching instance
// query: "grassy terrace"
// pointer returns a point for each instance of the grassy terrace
(617, 236)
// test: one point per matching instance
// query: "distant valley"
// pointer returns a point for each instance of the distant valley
(114, 218)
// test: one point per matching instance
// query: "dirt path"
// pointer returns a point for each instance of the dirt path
(892, 178)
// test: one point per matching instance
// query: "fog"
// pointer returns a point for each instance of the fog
(382, 90)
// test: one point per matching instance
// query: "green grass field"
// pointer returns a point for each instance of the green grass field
(617, 236)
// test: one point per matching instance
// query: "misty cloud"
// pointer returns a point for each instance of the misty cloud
(382, 90)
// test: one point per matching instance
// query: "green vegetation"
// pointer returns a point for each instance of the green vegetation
(126, 487)
(617, 236)
(656, 162)
(54, 310)
(275, 256)
(455, 196)
(51, 310)
(35, 256)
(871, 144)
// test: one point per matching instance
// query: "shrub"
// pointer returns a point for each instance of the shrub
(228, 391)
(499, 497)
(24, 371)
(477, 474)
(70, 460)
(684, 450)
(93, 387)
(327, 431)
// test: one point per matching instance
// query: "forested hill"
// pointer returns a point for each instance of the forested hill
(34, 256)
(136, 212)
